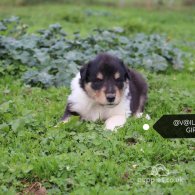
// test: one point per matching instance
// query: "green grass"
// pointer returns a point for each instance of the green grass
(176, 24)
(81, 157)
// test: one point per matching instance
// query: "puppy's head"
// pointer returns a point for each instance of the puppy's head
(104, 79)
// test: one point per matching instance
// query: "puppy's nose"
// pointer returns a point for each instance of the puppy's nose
(110, 97)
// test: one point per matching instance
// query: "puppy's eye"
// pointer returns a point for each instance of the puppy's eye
(119, 80)
(98, 80)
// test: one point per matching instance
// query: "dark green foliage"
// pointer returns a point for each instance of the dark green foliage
(50, 58)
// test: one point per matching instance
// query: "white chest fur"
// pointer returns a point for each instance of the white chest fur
(88, 109)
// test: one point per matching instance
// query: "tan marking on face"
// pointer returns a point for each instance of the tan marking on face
(100, 76)
(97, 95)
(100, 96)
(117, 75)
(91, 93)
(119, 93)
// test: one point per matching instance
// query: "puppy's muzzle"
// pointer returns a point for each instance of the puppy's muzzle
(110, 97)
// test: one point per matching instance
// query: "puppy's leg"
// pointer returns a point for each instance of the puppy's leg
(65, 117)
(115, 121)
(140, 109)
(68, 113)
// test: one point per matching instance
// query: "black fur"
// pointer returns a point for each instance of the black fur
(68, 112)
(108, 65)
(138, 88)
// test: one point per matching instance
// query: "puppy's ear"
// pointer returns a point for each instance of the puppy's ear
(126, 70)
(127, 74)
(84, 73)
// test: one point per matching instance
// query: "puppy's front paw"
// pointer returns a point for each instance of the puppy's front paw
(139, 114)
(115, 122)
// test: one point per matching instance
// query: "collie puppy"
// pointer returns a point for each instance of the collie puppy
(105, 89)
